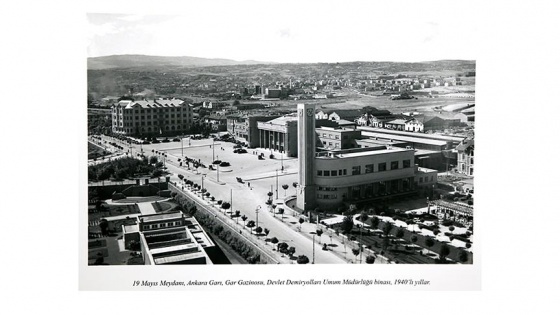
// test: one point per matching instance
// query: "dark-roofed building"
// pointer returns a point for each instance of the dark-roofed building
(164, 116)
(216, 121)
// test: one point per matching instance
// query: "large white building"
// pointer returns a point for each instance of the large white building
(151, 117)
(331, 177)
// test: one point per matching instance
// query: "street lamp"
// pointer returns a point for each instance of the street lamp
(257, 212)
(276, 184)
(313, 261)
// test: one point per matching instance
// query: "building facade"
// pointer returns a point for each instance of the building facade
(465, 157)
(279, 135)
(151, 117)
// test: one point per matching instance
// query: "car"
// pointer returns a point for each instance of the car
(176, 140)
(240, 151)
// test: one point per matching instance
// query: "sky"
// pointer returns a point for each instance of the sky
(290, 31)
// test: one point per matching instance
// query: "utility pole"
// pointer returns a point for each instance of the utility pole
(276, 184)
(257, 212)
(313, 261)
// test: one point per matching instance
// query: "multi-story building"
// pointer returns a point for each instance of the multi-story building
(245, 127)
(465, 157)
(330, 138)
(279, 134)
(329, 178)
(151, 117)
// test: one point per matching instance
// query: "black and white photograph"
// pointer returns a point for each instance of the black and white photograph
(195, 160)
(279, 156)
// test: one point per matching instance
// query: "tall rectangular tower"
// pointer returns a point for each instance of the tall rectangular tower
(306, 156)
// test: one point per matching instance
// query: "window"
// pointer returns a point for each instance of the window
(333, 173)
(382, 167)
(339, 172)
(319, 173)
(406, 163)
(356, 170)
(344, 171)
(177, 223)
(394, 165)
(319, 196)
(369, 168)
(326, 173)
(421, 179)
(336, 145)
(337, 137)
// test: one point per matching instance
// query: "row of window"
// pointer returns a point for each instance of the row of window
(161, 225)
(322, 196)
(369, 168)
(150, 117)
(425, 179)
(327, 188)
(149, 123)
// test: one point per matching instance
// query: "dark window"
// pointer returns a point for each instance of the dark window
(339, 172)
(406, 163)
(326, 173)
(369, 168)
(344, 171)
(333, 173)
(394, 165)
(382, 167)
(356, 170)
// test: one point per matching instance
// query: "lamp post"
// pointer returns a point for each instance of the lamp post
(213, 142)
(276, 184)
(313, 261)
(257, 212)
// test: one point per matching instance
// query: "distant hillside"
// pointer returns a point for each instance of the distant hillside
(134, 61)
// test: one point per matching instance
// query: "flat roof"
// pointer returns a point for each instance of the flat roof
(412, 134)
(131, 228)
(182, 257)
(372, 152)
(159, 217)
(404, 138)
(166, 249)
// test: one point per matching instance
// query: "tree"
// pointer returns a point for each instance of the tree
(356, 252)
(103, 225)
(387, 228)
(463, 256)
(302, 259)
(273, 212)
(181, 176)
(274, 240)
(153, 159)
(294, 184)
(443, 252)
(374, 222)
(347, 224)
(251, 225)
(226, 205)
(400, 233)
(281, 211)
(237, 212)
(291, 251)
(413, 239)
(301, 220)
(266, 231)
(258, 230)
(363, 217)
(370, 259)
(282, 247)
(429, 242)
(244, 217)
(319, 233)
(285, 187)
